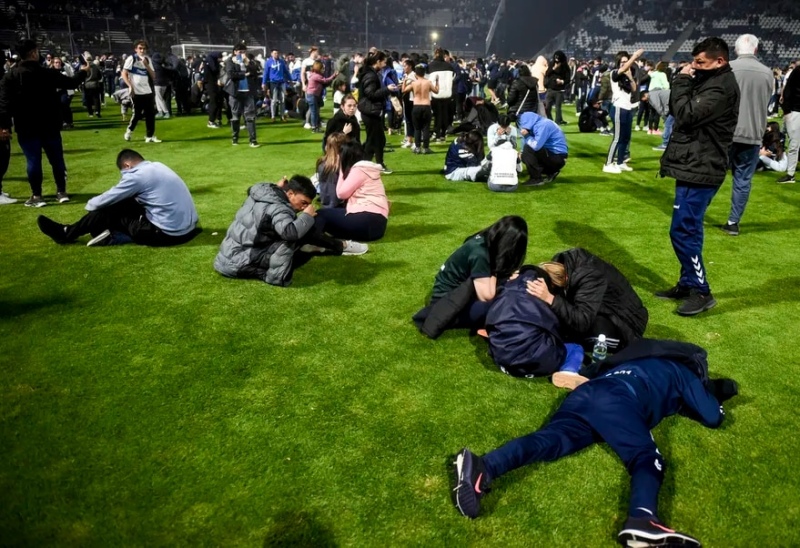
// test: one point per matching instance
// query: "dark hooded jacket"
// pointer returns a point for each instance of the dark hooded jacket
(371, 95)
(561, 72)
(595, 287)
(523, 96)
(706, 111)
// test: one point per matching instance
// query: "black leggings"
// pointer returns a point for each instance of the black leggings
(362, 227)
(421, 114)
(441, 111)
(375, 139)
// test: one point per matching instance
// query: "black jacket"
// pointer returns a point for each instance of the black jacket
(706, 110)
(791, 93)
(595, 287)
(371, 95)
(517, 100)
(28, 96)
(554, 73)
(337, 123)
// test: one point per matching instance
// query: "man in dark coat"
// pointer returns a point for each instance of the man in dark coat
(29, 100)
(640, 386)
(556, 80)
(705, 104)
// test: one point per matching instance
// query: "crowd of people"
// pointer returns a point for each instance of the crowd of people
(539, 320)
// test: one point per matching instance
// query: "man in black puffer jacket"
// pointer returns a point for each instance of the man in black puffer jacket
(705, 104)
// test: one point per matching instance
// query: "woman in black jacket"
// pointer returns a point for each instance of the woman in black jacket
(344, 121)
(556, 81)
(594, 298)
(523, 96)
(371, 98)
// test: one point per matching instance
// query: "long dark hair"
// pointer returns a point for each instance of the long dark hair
(350, 153)
(773, 140)
(507, 241)
(473, 142)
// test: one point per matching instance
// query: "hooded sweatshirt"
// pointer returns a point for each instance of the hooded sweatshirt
(543, 133)
(363, 189)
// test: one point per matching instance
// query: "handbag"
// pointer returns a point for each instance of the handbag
(396, 105)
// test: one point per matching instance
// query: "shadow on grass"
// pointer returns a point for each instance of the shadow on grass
(404, 208)
(10, 308)
(775, 226)
(68, 151)
(409, 190)
(408, 232)
(342, 271)
(298, 528)
(581, 235)
(657, 331)
(778, 290)
(207, 237)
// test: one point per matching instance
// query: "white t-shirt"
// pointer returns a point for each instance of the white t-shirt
(308, 62)
(138, 75)
(620, 97)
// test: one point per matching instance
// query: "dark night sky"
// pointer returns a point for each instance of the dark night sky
(530, 24)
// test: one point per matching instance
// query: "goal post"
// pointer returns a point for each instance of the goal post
(182, 50)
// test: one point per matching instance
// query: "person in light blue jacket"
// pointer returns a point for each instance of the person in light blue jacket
(545, 150)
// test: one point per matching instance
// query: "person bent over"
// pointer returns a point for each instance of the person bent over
(545, 151)
(151, 205)
(274, 233)
(633, 392)
(465, 161)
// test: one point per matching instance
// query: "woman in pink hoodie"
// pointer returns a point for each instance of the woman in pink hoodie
(367, 211)
(314, 92)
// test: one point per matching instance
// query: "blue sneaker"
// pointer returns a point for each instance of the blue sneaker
(472, 483)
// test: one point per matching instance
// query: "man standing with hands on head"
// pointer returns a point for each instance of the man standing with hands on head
(755, 86)
(138, 74)
(239, 68)
(28, 99)
(705, 104)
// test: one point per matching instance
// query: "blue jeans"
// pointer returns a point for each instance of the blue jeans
(743, 160)
(686, 232)
(313, 109)
(32, 148)
(277, 95)
(668, 123)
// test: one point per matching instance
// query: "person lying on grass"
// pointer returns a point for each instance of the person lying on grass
(274, 233)
(467, 282)
(151, 205)
(639, 387)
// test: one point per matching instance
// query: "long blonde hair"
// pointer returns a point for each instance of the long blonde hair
(330, 160)
(557, 273)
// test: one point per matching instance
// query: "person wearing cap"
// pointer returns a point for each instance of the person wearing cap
(29, 102)
(238, 69)
(137, 73)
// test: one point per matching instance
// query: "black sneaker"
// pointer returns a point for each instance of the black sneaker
(641, 532)
(35, 201)
(472, 483)
(533, 182)
(552, 177)
(62, 197)
(785, 179)
(696, 303)
(677, 293)
(56, 231)
(732, 229)
(385, 170)
(234, 142)
(723, 389)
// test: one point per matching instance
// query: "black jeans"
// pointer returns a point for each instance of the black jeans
(555, 98)
(421, 114)
(215, 103)
(542, 162)
(127, 217)
(144, 107)
(375, 139)
(5, 156)
(441, 112)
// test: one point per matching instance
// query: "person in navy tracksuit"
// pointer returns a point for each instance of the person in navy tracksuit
(633, 392)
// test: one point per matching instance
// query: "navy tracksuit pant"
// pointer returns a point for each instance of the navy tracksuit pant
(618, 408)
(686, 232)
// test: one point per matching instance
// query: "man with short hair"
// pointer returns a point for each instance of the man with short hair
(273, 82)
(137, 73)
(705, 104)
(29, 102)
(790, 102)
(545, 150)
(755, 87)
(239, 69)
(151, 205)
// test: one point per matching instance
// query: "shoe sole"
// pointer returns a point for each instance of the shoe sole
(729, 232)
(465, 499)
(37, 204)
(634, 538)
(708, 306)
(786, 182)
(99, 239)
(354, 253)
(63, 200)
(570, 381)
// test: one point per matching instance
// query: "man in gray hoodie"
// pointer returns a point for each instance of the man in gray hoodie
(755, 83)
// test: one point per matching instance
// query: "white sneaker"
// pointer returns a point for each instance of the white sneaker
(127, 135)
(152, 139)
(625, 167)
(5, 199)
(637, 128)
(406, 144)
(306, 126)
(354, 248)
(568, 380)
(612, 168)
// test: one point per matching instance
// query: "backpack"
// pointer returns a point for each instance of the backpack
(523, 330)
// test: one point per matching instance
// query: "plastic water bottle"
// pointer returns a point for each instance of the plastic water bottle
(600, 349)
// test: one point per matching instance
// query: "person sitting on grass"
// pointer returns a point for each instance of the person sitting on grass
(502, 138)
(268, 240)
(151, 205)
(772, 154)
(467, 282)
(635, 391)
(367, 211)
(593, 118)
(545, 151)
(328, 171)
(464, 160)
(344, 121)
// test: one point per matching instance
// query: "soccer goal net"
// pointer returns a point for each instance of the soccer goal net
(183, 50)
